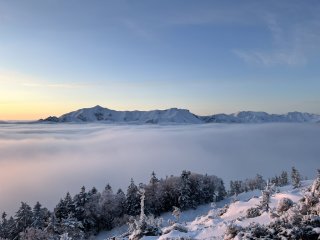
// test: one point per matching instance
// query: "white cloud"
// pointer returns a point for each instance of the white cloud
(43, 162)
(271, 58)
(292, 44)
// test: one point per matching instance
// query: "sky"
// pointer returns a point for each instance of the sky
(206, 56)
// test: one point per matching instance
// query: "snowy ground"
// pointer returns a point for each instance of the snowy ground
(52, 159)
(204, 222)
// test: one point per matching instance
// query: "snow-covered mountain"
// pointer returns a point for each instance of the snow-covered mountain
(98, 113)
(261, 117)
(177, 116)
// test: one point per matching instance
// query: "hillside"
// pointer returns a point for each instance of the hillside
(229, 218)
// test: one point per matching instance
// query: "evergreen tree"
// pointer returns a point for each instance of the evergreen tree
(315, 188)
(120, 200)
(69, 205)
(92, 211)
(65, 207)
(153, 180)
(4, 229)
(235, 187)
(23, 217)
(221, 191)
(260, 182)
(206, 191)
(284, 178)
(153, 205)
(185, 193)
(107, 207)
(72, 227)
(133, 200)
(79, 203)
(53, 224)
(13, 231)
(295, 178)
(266, 195)
(60, 210)
(168, 193)
(39, 216)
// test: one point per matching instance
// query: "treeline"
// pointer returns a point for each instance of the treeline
(88, 212)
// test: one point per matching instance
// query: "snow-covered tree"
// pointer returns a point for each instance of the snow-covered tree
(13, 231)
(265, 200)
(295, 177)
(53, 225)
(73, 227)
(23, 217)
(284, 178)
(4, 228)
(65, 207)
(185, 191)
(107, 207)
(39, 217)
(235, 187)
(260, 182)
(133, 200)
(315, 188)
(120, 200)
(80, 201)
(92, 211)
(168, 194)
(152, 195)
(60, 210)
(69, 205)
(145, 226)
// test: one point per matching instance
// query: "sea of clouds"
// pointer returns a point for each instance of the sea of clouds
(41, 162)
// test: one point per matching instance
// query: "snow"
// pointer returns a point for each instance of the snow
(204, 222)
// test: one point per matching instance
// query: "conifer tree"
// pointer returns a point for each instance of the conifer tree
(23, 217)
(4, 230)
(185, 192)
(79, 203)
(107, 207)
(39, 216)
(151, 195)
(284, 178)
(120, 200)
(133, 200)
(266, 195)
(295, 178)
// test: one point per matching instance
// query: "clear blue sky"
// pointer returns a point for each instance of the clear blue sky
(207, 56)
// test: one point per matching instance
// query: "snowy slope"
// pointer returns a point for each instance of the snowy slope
(177, 116)
(205, 222)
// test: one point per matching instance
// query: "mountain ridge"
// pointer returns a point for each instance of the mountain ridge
(176, 116)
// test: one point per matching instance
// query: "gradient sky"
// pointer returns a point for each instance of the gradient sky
(207, 56)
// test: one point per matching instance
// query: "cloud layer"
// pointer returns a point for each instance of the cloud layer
(43, 162)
